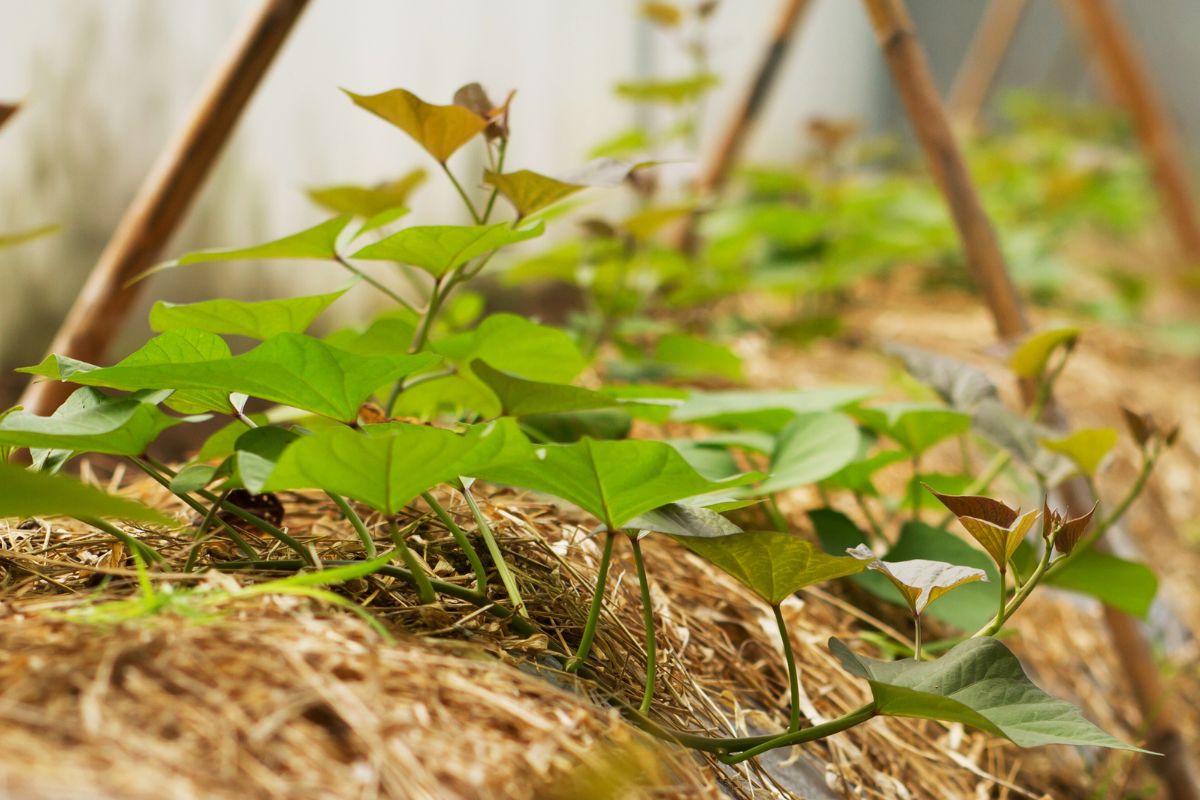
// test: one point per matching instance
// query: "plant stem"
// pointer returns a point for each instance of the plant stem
(502, 150)
(461, 193)
(1027, 588)
(194, 550)
(793, 676)
(373, 282)
(589, 628)
(648, 620)
(844, 722)
(441, 288)
(1135, 490)
(420, 578)
(915, 498)
(352, 517)
(775, 514)
(1003, 591)
(876, 528)
(132, 544)
(234, 535)
(489, 539)
(916, 637)
(460, 537)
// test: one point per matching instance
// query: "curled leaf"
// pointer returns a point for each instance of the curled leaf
(921, 581)
(1031, 356)
(530, 191)
(1070, 529)
(1144, 428)
(473, 98)
(998, 528)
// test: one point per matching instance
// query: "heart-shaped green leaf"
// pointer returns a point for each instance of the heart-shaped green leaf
(1117, 582)
(1087, 448)
(437, 249)
(771, 564)
(182, 346)
(318, 242)
(256, 453)
(615, 481)
(999, 541)
(920, 581)
(256, 319)
(24, 493)
(914, 427)
(367, 201)
(811, 447)
(763, 410)
(91, 422)
(1030, 358)
(441, 130)
(386, 466)
(978, 683)
(290, 369)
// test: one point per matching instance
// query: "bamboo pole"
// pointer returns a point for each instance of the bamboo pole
(1099, 25)
(715, 171)
(729, 145)
(910, 70)
(165, 196)
(985, 55)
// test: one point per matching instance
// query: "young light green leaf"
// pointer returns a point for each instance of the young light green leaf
(256, 319)
(763, 410)
(256, 453)
(978, 683)
(194, 477)
(920, 581)
(1030, 358)
(387, 466)
(318, 242)
(437, 249)
(858, 476)
(811, 447)
(712, 461)
(771, 564)
(914, 427)
(674, 92)
(291, 369)
(1088, 448)
(367, 201)
(92, 422)
(26, 494)
(441, 130)
(530, 191)
(615, 481)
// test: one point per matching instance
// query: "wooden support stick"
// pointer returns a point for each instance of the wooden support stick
(104, 302)
(985, 55)
(715, 171)
(1126, 75)
(910, 70)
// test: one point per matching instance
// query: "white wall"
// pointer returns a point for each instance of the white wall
(106, 81)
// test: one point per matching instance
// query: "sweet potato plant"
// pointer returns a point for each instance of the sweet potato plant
(427, 395)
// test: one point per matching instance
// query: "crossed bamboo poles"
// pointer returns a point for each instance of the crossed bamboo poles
(104, 302)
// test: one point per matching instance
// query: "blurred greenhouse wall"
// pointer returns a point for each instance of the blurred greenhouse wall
(106, 82)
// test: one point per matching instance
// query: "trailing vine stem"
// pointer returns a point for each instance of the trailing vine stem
(194, 550)
(837, 725)
(420, 579)
(134, 545)
(648, 620)
(368, 542)
(589, 629)
(489, 539)
(460, 538)
(394, 296)
(161, 472)
(793, 676)
(234, 535)
(462, 193)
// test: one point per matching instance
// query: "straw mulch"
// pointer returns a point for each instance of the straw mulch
(282, 697)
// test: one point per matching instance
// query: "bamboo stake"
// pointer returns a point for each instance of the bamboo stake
(715, 171)
(165, 195)
(910, 70)
(983, 60)
(1099, 25)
